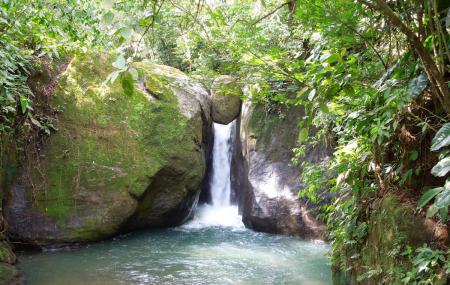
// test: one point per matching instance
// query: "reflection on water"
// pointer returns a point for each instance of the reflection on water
(185, 255)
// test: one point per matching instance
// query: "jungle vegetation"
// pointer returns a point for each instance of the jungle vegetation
(372, 75)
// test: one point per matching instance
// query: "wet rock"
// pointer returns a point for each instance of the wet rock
(269, 183)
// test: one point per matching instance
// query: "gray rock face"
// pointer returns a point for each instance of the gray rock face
(268, 181)
(226, 101)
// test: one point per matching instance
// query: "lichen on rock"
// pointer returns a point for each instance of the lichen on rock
(105, 169)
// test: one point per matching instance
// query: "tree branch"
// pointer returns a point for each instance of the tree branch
(272, 12)
(436, 78)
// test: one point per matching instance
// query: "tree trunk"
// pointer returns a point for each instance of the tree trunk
(437, 81)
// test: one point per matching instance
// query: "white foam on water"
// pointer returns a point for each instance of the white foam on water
(220, 213)
(212, 216)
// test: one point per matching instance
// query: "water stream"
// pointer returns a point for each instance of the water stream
(213, 248)
(220, 212)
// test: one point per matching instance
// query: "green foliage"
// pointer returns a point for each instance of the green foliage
(442, 138)
(441, 195)
(34, 30)
(429, 265)
(361, 82)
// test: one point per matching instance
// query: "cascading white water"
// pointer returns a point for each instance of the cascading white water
(220, 178)
(220, 212)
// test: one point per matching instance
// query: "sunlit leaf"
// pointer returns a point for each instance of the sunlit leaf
(126, 32)
(417, 85)
(134, 73)
(108, 18)
(432, 210)
(442, 138)
(443, 198)
(120, 62)
(441, 168)
(23, 104)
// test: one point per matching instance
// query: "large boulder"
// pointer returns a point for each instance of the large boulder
(126, 155)
(266, 184)
(226, 99)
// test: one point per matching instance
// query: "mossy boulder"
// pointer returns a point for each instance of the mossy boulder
(126, 155)
(226, 99)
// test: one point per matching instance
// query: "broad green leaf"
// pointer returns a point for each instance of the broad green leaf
(120, 62)
(443, 213)
(323, 107)
(302, 91)
(333, 58)
(126, 32)
(127, 84)
(417, 85)
(427, 196)
(349, 90)
(442, 138)
(432, 210)
(23, 104)
(108, 18)
(443, 199)
(441, 168)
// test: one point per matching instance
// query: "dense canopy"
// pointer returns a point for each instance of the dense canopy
(373, 77)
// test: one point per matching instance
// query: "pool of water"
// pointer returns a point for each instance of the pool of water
(184, 255)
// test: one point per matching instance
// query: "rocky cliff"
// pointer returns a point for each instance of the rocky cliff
(265, 181)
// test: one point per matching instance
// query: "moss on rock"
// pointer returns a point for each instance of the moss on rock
(391, 226)
(109, 149)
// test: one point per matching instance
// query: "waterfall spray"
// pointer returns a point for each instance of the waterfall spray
(220, 212)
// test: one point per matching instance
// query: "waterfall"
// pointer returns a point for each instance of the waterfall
(220, 179)
(220, 212)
